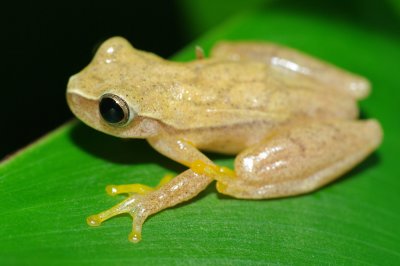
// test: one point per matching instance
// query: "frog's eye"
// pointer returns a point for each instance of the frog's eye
(114, 110)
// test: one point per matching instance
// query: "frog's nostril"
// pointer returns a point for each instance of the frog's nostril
(114, 110)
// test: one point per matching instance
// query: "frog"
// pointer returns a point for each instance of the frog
(291, 120)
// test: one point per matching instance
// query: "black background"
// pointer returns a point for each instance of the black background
(42, 45)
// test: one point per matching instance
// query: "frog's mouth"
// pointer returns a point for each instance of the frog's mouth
(84, 108)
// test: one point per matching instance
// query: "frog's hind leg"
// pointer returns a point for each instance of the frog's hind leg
(301, 158)
(296, 65)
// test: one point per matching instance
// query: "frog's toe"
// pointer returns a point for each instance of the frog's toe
(94, 220)
(113, 190)
(132, 205)
(124, 207)
(216, 172)
(141, 189)
(136, 234)
(135, 237)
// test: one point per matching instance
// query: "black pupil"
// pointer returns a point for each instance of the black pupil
(111, 111)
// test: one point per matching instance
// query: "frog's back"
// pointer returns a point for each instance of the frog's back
(224, 93)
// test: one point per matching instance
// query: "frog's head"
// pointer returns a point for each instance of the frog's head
(107, 94)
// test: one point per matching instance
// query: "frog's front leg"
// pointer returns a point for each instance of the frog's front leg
(301, 158)
(144, 201)
(182, 188)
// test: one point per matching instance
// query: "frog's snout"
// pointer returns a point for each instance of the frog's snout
(83, 108)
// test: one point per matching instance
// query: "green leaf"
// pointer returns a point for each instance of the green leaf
(48, 189)
(202, 15)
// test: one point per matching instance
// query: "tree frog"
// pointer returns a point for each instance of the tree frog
(291, 119)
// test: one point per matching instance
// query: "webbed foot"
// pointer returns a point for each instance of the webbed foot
(134, 205)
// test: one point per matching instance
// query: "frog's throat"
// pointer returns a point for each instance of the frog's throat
(219, 173)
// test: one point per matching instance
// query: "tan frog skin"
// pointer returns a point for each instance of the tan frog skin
(290, 118)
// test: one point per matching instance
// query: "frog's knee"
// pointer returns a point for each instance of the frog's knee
(250, 165)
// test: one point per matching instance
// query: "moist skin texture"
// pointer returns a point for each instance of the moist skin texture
(291, 120)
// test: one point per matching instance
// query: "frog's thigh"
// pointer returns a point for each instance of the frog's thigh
(301, 158)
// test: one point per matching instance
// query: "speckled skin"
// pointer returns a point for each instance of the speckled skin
(289, 117)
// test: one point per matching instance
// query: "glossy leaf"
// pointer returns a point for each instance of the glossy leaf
(48, 189)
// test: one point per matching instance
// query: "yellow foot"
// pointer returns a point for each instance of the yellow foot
(134, 205)
(131, 206)
(214, 171)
